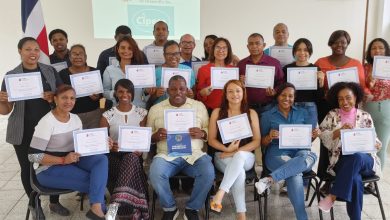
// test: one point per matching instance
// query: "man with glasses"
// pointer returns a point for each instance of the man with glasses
(187, 45)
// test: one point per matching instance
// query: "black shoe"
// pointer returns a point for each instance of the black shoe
(170, 215)
(59, 209)
(190, 214)
(34, 214)
(93, 216)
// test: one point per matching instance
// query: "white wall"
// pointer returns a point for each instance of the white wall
(235, 20)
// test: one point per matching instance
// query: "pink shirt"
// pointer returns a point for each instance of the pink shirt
(348, 117)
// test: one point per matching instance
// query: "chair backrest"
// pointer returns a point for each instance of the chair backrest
(323, 163)
(33, 179)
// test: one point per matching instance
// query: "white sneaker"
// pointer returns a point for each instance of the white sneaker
(263, 184)
(112, 210)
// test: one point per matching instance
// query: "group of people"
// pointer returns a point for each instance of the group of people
(41, 129)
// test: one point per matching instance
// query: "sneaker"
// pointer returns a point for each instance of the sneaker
(34, 214)
(170, 215)
(59, 209)
(326, 204)
(112, 210)
(263, 184)
(190, 214)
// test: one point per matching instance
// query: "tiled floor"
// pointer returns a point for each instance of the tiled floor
(13, 201)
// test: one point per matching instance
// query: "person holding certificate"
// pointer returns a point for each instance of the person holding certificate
(280, 34)
(234, 158)
(127, 181)
(221, 56)
(345, 97)
(260, 99)
(26, 113)
(306, 98)
(160, 33)
(127, 53)
(196, 165)
(338, 42)
(59, 40)
(299, 160)
(172, 60)
(60, 167)
(379, 105)
(87, 108)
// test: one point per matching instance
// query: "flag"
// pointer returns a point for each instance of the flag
(33, 25)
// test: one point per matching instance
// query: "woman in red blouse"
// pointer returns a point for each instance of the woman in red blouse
(378, 105)
(221, 56)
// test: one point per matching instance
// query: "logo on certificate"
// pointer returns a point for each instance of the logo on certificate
(178, 137)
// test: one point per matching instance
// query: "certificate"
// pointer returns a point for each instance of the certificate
(179, 120)
(167, 73)
(220, 76)
(342, 75)
(234, 128)
(87, 83)
(91, 141)
(197, 65)
(283, 54)
(304, 78)
(381, 67)
(358, 140)
(113, 61)
(293, 136)
(155, 55)
(133, 138)
(142, 76)
(259, 76)
(60, 66)
(24, 86)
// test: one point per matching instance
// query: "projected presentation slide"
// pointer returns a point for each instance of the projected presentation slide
(182, 16)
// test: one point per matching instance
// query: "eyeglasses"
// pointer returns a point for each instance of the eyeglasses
(221, 48)
(187, 42)
(175, 54)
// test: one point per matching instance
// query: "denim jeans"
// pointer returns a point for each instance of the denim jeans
(289, 165)
(234, 175)
(202, 171)
(311, 109)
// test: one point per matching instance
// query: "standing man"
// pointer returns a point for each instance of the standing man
(197, 165)
(154, 51)
(59, 40)
(187, 46)
(258, 98)
(280, 36)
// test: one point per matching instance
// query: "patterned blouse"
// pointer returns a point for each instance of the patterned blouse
(381, 89)
(331, 123)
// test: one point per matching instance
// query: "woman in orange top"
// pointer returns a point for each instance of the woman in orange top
(221, 56)
(338, 42)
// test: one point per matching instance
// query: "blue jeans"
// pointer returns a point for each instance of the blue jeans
(311, 109)
(289, 165)
(348, 184)
(202, 171)
(89, 175)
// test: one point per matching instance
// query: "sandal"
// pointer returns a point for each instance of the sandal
(216, 208)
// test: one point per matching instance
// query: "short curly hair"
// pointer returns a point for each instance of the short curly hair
(332, 95)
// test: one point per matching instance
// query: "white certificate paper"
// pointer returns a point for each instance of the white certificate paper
(293, 136)
(358, 140)
(303, 78)
(257, 76)
(197, 65)
(133, 138)
(221, 75)
(234, 128)
(142, 76)
(113, 61)
(283, 54)
(87, 83)
(168, 73)
(91, 141)
(155, 55)
(381, 67)
(342, 75)
(60, 66)
(178, 121)
(23, 86)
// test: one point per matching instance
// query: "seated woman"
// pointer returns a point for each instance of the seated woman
(347, 169)
(237, 157)
(286, 164)
(127, 181)
(60, 167)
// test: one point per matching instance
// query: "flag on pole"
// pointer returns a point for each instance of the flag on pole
(33, 25)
